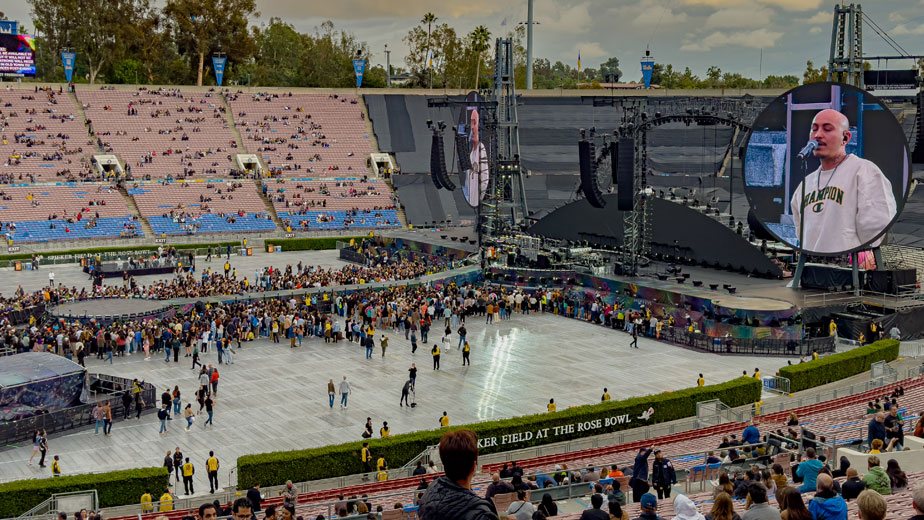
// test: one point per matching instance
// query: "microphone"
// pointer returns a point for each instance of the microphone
(809, 148)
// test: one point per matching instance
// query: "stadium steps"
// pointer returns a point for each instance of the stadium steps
(145, 225)
(402, 216)
(268, 203)
(235, 131)
(83, 117)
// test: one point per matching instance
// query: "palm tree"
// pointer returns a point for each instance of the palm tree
(479, 39)
(429, 19)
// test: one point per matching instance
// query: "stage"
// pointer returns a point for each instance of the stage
(112, 309)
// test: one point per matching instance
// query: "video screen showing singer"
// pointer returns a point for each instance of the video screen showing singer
(848, 200)
(476, 179)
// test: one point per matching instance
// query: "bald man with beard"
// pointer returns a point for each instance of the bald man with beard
(848, 200)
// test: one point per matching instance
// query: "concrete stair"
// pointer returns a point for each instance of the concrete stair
(145, 225)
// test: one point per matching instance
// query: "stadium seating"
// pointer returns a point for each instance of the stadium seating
(29, 212)
(202, 207)
(162, 133)
(43, 140)
(317, 135)
(335, 203)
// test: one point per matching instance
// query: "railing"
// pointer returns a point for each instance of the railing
(65, 502)
(880, 374)
(423, 456)
(777, 384)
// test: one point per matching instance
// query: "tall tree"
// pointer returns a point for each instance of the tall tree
(813, 75)
(203, 26)
(96, 29)
(610, 69)
(429, 19)
(479, 41)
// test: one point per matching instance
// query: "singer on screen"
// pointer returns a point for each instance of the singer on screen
(848, 201)
(476, 179)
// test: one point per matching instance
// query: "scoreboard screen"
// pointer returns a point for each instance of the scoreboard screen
(17, 55)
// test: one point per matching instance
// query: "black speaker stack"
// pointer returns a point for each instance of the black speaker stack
(589, 186)
(438, 164)
(625, 174)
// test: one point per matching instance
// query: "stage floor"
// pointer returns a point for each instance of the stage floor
(275, 398)
(109, 307)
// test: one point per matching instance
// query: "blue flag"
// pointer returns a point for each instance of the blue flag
(359, 67)
(218, 63)
(647, 69)
(68, 59)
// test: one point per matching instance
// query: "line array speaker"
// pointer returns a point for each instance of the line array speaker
(589, 174)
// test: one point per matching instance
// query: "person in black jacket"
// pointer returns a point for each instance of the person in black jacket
(853, 486)
(662, 475)
(450, 497)
(253, 494)
(639, 480)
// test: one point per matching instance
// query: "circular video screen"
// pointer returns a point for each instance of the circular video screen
(475, 179)
(826, 169)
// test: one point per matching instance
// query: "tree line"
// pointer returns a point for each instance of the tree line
(135, 41)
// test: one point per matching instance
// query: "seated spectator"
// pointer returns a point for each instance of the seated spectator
(724, 486)
(712, 459)
(751, 434)
(827, 504)
(808, 471)
(450, 496)
(896, 476)
(615, 472)
(853, 486)
(547, 506)
(544, 480)
(595, 512)
(917, 502)
(497, 487)
(760, 510)
(827, 471)
(616, 493)
(791, 505)
(741, 490)
(616, 511)
(722, 508)
(876, 478)
(591, 475)
(521, 508)
(779, 477)
(648, 507)
(871, 506)
(842, 470)
(875, 447)
(685, 509)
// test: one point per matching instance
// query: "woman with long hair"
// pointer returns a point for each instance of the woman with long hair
(842, 471)
(722, 508)
(616, 511)
(724, 485)
(897, 476)
(547, 506)
(791, 505)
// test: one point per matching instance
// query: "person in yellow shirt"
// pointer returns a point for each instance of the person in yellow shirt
(436, 357)
(188, 471)
(55, 467)
(551, 406)
(444, 420)
(832, 329)
(211, 465)
(384, 431)
(605, 396)
(166, 501)
(814, 355)
(146, 502)
(701, 381)
(756, 373)
(366, 456)
(862, 339)
(876, 447)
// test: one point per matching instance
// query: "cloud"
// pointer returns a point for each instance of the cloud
(787, 5)
(760, 38)
(815, 30)
(561, 18)
(590, 53)
(658, 15)
(366, 9)
(739, 17)
(902, 29)
(820, 17)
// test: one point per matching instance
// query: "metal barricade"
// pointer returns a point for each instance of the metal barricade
(776, 384)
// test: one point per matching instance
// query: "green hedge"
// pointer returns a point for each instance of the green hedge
(839, 366)
(309, 244)
(275, 468)
(117, 488)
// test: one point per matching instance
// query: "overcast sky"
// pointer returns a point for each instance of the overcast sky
(694, 33)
